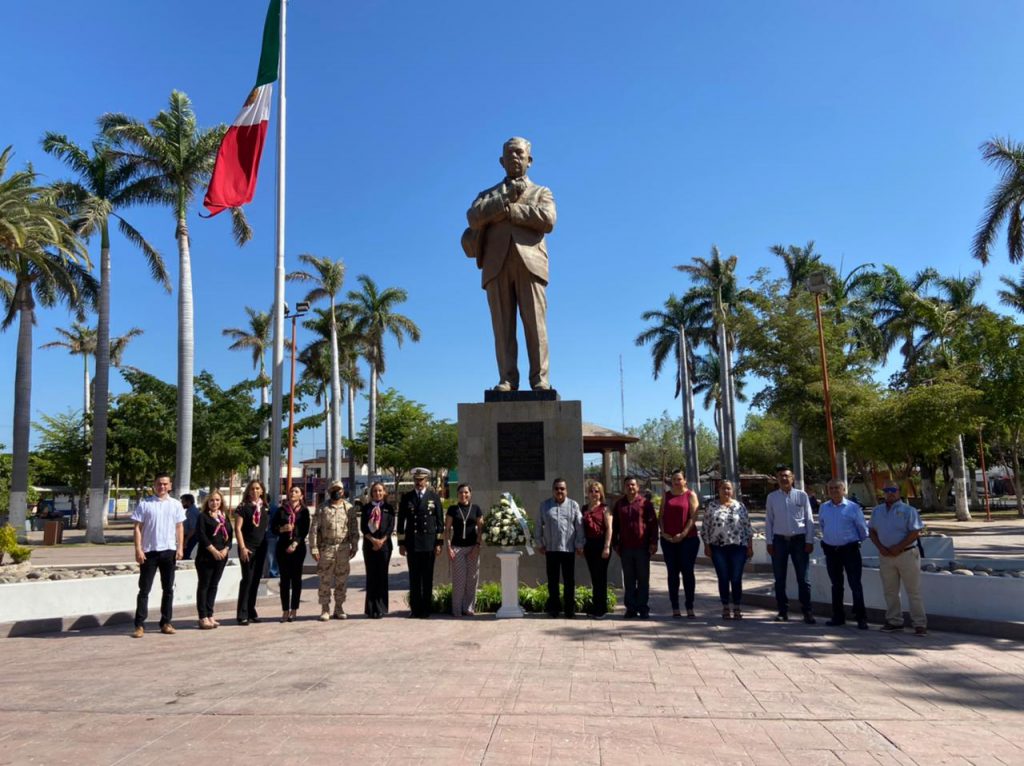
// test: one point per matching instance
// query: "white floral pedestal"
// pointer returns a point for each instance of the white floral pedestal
(509, 558)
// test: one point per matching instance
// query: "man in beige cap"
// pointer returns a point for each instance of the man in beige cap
(333, 540)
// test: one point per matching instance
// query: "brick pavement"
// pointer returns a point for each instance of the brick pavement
(514, 691)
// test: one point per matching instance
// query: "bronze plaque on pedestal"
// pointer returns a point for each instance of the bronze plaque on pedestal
(521, 451)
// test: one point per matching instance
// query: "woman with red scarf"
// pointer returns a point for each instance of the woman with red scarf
(214, 535)
(252, 517)
(377, 522)
(291, 522)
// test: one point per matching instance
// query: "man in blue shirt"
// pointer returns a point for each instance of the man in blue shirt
(895, 527)
(842, 530)
(789, 532)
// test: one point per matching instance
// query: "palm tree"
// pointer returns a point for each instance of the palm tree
(715, 295)
(1006, 201)
(328, 279)
(373, 314)
(81, 341)
(799, 262)
(38, 247)
(257, 339)
(318, 352)
(1013, 295)
(172, 159)
(102, 188)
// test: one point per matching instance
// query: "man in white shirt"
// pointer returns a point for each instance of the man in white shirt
(789, 533)
(159, 544)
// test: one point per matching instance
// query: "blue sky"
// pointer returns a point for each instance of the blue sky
(661, 128)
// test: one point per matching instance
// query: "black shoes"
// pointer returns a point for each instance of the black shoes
(862, 624)
(890, 628)
(835, 623)
(781, 617)
(809, 618)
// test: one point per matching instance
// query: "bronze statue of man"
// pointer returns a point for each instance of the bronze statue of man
(507, 224)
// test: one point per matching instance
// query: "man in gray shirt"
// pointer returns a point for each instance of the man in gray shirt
(789, 533)
(559, 534)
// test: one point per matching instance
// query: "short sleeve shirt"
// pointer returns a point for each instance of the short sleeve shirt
(158, 520)
(895, 523)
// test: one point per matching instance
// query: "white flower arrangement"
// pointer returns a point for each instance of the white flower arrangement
(505, 524)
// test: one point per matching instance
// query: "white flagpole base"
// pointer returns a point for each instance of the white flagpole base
(509, 584)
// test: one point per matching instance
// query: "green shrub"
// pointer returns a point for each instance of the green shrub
(533, 600)
(8, 538)
(20, 553)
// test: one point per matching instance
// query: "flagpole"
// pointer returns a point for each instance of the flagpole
(278, 364)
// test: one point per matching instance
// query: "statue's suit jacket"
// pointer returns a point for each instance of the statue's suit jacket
(529, 219)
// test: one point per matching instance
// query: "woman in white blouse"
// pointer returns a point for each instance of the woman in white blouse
(729, 542)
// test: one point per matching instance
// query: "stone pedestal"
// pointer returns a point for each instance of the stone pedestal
(510, 584)
(520, 442)
(521, 447)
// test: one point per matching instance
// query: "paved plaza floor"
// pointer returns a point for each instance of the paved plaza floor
(490, 691)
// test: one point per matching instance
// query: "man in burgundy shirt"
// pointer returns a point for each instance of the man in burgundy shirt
(635, 537)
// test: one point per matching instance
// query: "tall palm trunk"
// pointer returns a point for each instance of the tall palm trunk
(963, 511)
(264, 429)
(1017, 481)
(186, 360)
(22, 408)
(371, 457)
(797, 441)
(327, 427)
(733, 441)
(336, 399)
(727, 460)
(98, 471)
(351, 437)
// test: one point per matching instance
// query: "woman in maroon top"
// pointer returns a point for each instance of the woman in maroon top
(597, 528)
(679, 541)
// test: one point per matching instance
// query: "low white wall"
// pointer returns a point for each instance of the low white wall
(976, 598)
(45, 599)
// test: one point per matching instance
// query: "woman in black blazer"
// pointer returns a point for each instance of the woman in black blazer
(291, 523)
(214, 533)
(252, 517)
(377, 522)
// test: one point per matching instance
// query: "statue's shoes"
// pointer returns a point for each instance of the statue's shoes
(542, 387)
(504, 386)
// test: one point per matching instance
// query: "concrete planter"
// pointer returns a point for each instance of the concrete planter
(999, 599)
(55, 599)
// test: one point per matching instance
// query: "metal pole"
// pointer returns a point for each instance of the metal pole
(984, 475)
(828, 397)
(277, 366)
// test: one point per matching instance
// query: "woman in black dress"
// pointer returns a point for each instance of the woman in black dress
(214, 535)
(291, 522)
(252, 517)
(377, 522)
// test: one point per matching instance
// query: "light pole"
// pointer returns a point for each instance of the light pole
(817, 283)
(300, 310)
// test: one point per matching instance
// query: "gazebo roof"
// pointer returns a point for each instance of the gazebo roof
(598, 439)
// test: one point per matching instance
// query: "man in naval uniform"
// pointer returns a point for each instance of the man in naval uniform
(420, 535)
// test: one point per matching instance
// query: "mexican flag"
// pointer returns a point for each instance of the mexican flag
(238, 159)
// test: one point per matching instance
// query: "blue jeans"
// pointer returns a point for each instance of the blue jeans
(785, 550)
(679, 560)
(273, 570)
(729, 561)
(636, 579)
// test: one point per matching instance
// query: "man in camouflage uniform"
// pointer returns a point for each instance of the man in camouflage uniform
(333, 540)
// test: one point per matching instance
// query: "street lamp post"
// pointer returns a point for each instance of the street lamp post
(300, 310)
(817, 283)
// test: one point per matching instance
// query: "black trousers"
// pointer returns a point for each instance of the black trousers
(564, 564)
(598, 566)
(376, 563)
(249, 585)
(165, 562)
(840, 558)
(421, 581)
(208, 572)
(679, 561)
(290, 567)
